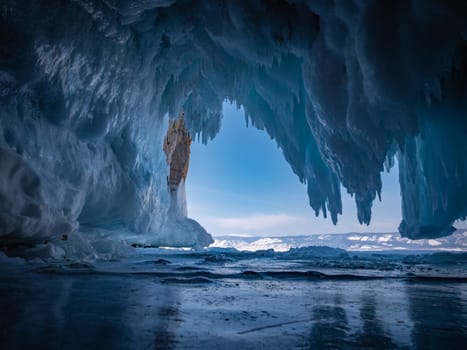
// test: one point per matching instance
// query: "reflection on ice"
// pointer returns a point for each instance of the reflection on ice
(150, 303)
(439, 316)
(330, 325)
(56, 312)
(373, 332)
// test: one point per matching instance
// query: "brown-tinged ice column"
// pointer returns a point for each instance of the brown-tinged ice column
(178, 226)
(177, 150)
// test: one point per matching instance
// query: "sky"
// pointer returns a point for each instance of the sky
(240, 184)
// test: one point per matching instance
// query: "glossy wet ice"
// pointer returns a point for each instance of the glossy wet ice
(216, 301)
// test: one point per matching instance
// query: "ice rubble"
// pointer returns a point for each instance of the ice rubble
(343, 87)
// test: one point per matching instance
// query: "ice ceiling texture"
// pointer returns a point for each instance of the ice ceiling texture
(343, 87)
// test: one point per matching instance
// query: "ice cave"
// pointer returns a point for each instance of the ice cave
(100, 100)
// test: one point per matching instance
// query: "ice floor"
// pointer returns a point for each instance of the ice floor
(220, 300)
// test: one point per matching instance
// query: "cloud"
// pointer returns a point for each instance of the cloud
(256, 222)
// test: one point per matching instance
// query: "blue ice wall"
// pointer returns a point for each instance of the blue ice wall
(86, 87)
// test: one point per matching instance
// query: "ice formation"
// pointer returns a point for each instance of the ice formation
(344, 87)
(179, 228)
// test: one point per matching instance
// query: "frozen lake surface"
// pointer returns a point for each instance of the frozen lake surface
(226, 300)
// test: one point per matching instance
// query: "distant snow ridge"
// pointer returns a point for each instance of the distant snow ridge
(347, 241)
(344, 87)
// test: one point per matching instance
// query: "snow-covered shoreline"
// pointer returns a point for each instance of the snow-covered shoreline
(352, 241)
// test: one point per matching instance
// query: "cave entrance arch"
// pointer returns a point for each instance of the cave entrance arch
(241, 184)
